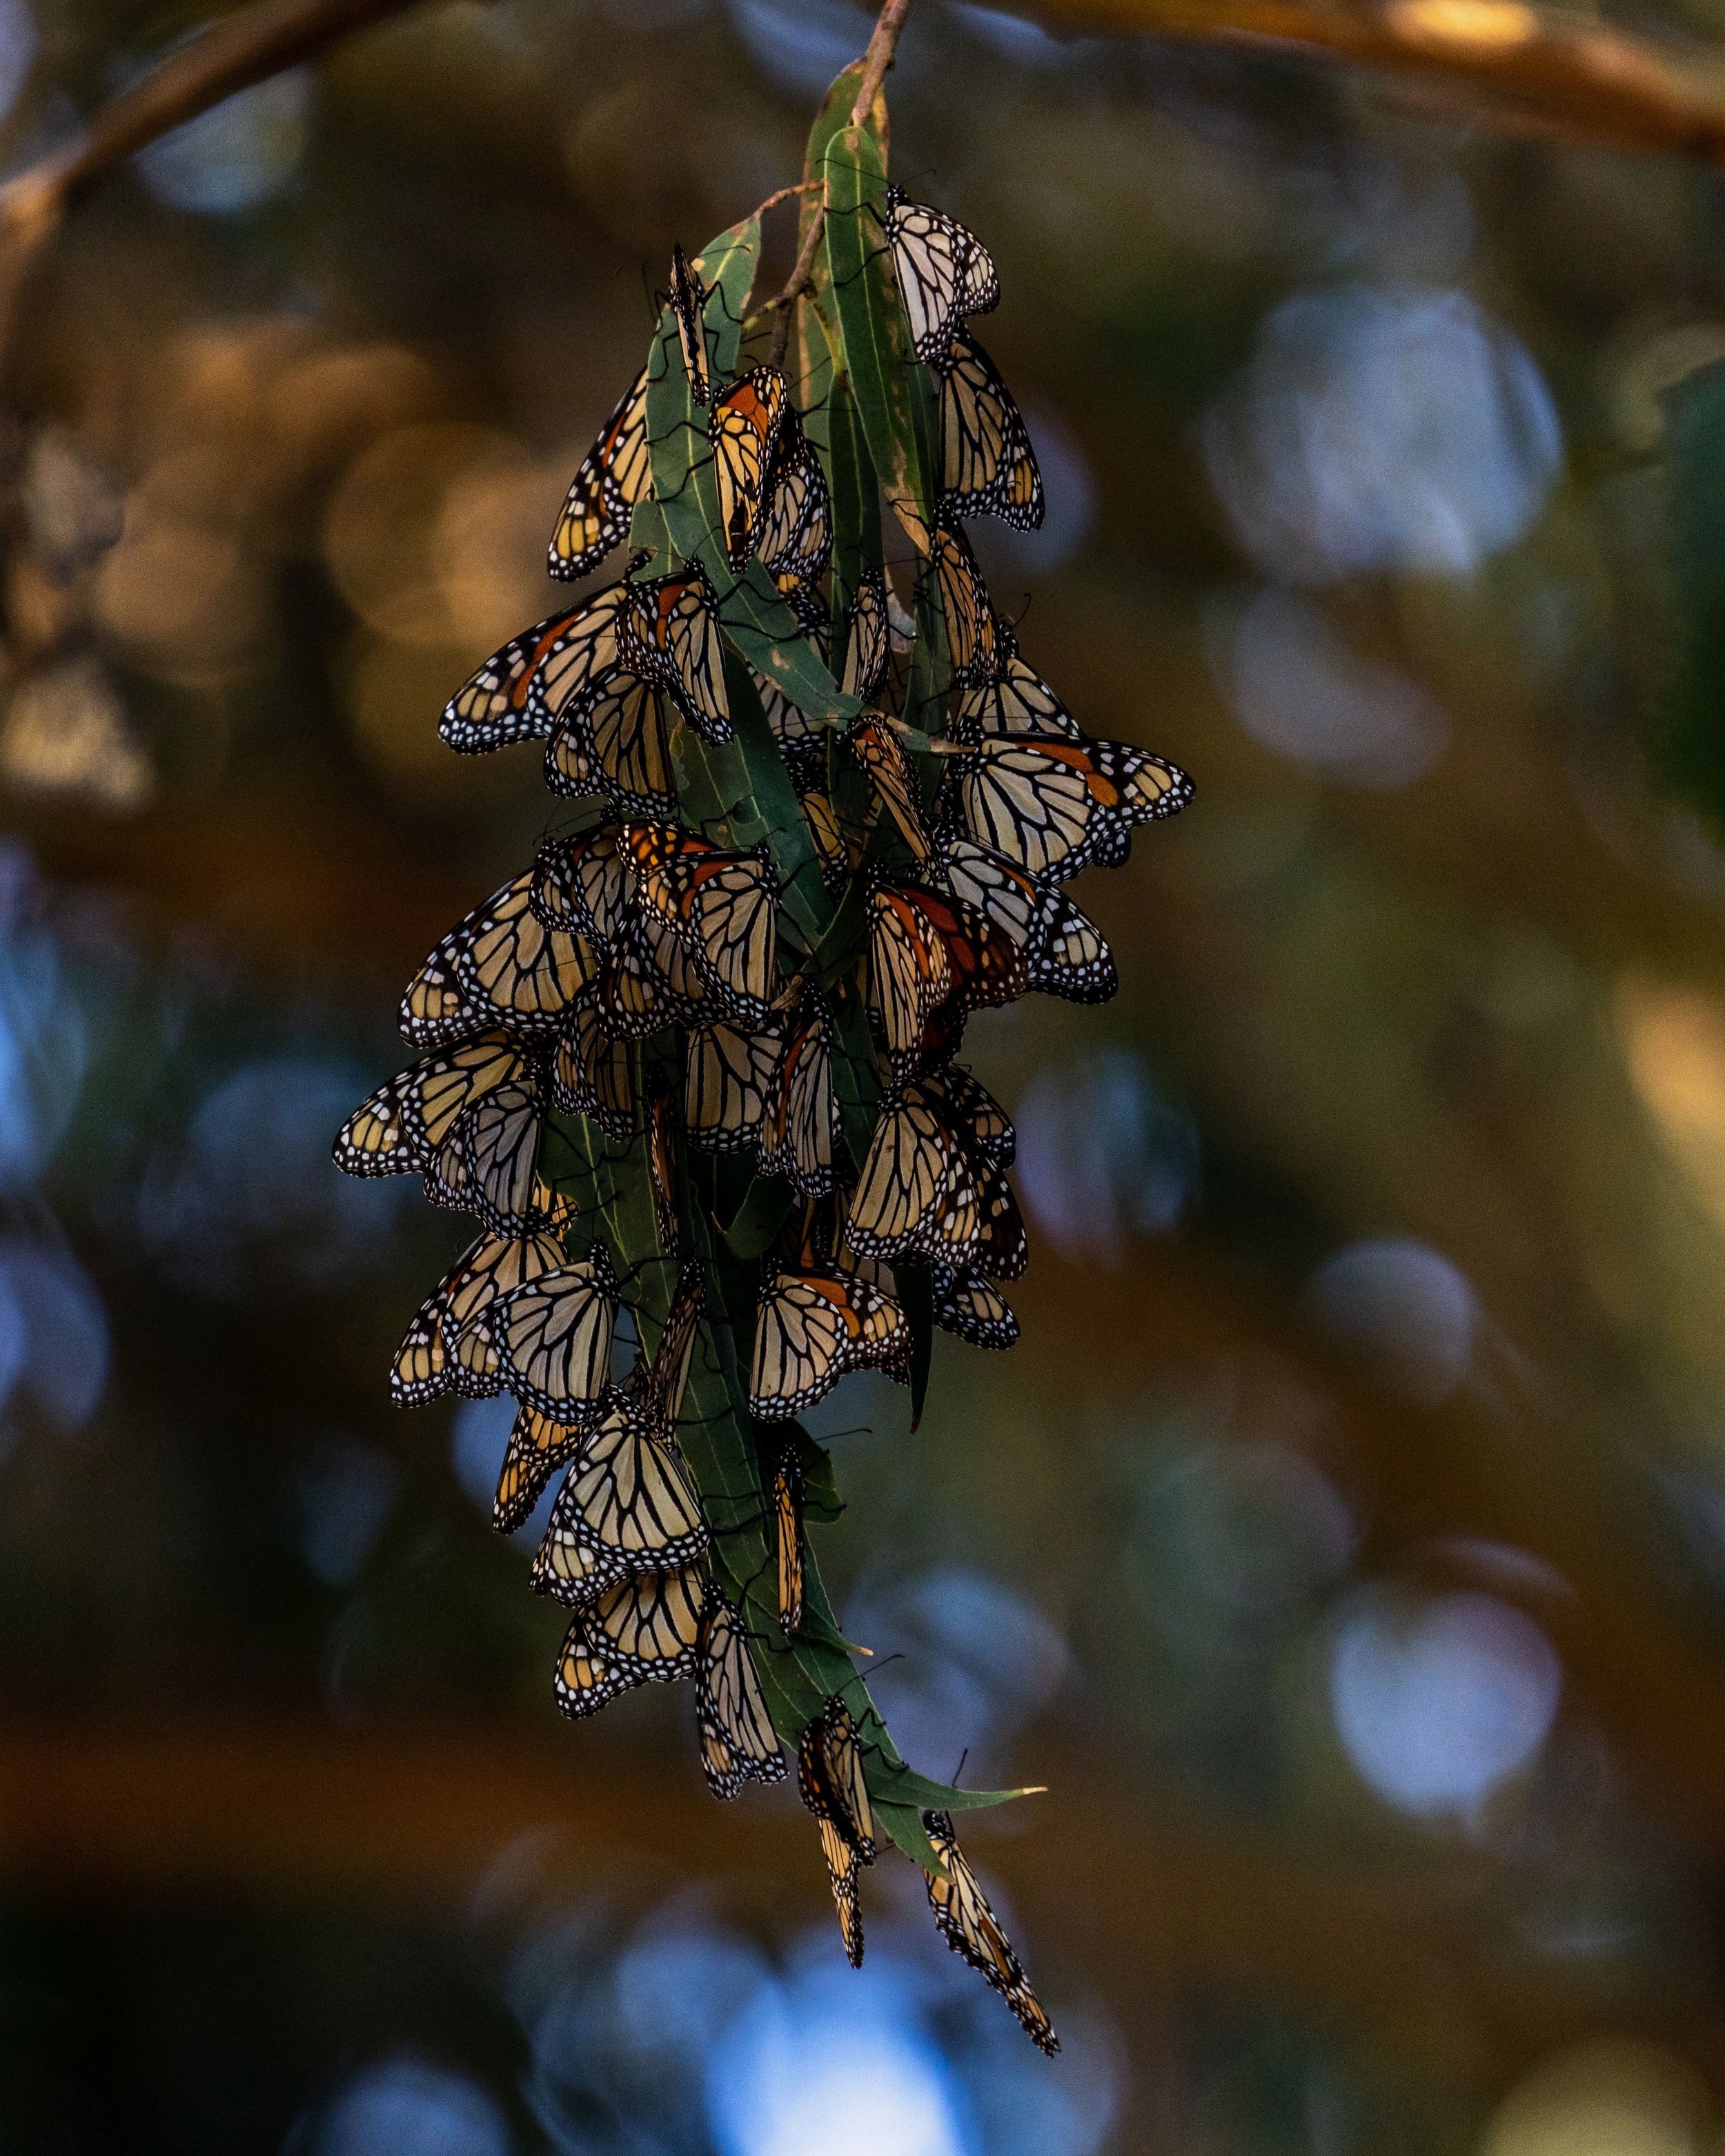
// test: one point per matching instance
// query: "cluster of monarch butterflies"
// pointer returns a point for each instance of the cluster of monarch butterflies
(632, 983)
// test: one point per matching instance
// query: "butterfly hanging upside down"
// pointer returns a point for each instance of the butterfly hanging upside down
(697, 1062)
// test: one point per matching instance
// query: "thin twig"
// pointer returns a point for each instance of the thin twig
(878, 59)
(795, 287)
(231, 55)
(784, 194)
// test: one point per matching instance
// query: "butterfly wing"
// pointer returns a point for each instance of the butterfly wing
(744, 430)
(495, 706)
(553, 1338)
(729, 1077)
(987, 466)
(811, 1329)
(881, 755)
(1063, 950)
(645, 1630)
(737, 1741)
(628, 1507)
(672, 636)
(787, 1527)
(615, 474)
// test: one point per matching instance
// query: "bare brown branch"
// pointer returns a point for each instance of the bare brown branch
(879, 57)
(1557, 73)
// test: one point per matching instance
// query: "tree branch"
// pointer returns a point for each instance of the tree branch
(878, 58)
(231, 55)
(1566, 77)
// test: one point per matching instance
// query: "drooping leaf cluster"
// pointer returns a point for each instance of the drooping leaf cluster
(699, 1059)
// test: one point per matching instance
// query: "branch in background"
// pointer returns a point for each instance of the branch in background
(1560, 75)
(231, 55)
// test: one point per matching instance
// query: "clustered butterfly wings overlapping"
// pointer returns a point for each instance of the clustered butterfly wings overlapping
(635, 976)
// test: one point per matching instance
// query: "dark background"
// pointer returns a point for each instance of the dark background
(1344, 1543)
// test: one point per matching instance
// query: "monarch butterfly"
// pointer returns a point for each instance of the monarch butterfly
(917, 1193)
(1062, 949)
(987, 466)
(811, 1328)
(973, 1309)
(971, 1928)
(793, 728)
(797, 533)
(737, 1742)
(881, 755)
(671, 635)
(614, 741)
(493, 1265)
(1054, 806)
(398, 1129)
(628, 1507)
(593, 1073)
(552, 1337)
(614, 476)
(510, 966)
(538, 1446)
(650, 981)
(788, 1520)
(446, 1179)
(516, 693)
(720, 905)
(729, 1077)
(926, 950)
(972, 634)
(829, 836)
(868, 641)
(972, 1109)
(688, 298)
(1015, 699)
(800, 1129)
(499, 1138)
(658, 1384)
(646, 1629)
(662, 1165)
(436, 1011)
(830, 1779)
(944, 272)
(744, 430)
(581, 885)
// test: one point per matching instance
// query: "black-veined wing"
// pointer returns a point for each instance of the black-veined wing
(553, 1338)
(788, 1540)
(615, 474)
(944, 272)
(838, 857)
(973, 633)
(810, 1329)
(927, 953)
(538, 1446)
(796, 535)
(494, 1265)
(1052, 806)
(436, 1009)
(744, 430)
(964, 1918)
(688, 302)
(1015, 699)
(583, 655)
(720, 905)
(662, 1162)
(593, 1073)
(650, 981)
(868, 639)
(829, 1780)
(509, 966)
(1063, 949)
(917, 1193)
(399, 1128)
(672, 636)
(971, 1928)
(645, 1630)
(737, 1742)
(659, 1385)
(500, 1151)
(628, 1507)
(614, 741)
(581, 885)
(987, 466)
(881, 755)
(729, 1076)
(973, 1309)
(792, 729)
(972, 1110)
(496, 705)
(799, 1132)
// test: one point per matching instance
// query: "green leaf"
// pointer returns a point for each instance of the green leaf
(760, 1217)
(873, 337)
(726, 266)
